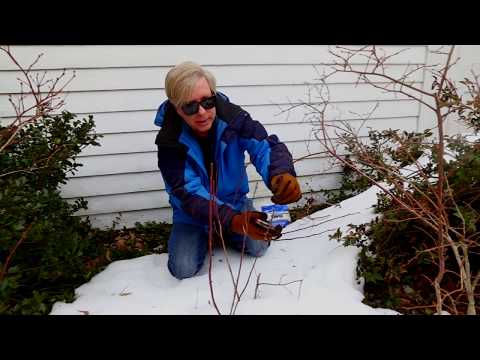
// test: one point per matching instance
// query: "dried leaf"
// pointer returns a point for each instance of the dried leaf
(120, 244)
(107, 255)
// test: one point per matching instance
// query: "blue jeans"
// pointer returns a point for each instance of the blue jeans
(188, 247)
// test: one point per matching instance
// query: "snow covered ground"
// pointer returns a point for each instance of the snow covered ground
(320, 273)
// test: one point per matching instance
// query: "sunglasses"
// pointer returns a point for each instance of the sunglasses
(192, 107)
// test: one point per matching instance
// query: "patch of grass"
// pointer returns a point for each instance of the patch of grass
(128, 243)
(305, 210)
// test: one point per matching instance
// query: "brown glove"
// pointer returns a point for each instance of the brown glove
(285, 188)
(245, 224)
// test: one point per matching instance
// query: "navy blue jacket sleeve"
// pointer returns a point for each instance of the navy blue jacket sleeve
(268, 154)
(184, 185)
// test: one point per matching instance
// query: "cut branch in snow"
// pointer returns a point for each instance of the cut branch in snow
(323, 222)
(306, 236)
(258, 284)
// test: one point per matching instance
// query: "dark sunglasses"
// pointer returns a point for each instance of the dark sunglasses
(192, 107)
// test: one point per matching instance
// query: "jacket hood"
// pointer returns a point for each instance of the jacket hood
(160, 116)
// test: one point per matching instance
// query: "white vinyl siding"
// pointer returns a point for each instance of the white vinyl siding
(122, 87)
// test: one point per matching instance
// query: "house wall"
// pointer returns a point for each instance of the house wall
(122, 86)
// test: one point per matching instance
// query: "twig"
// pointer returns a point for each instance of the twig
(210, 239)
(306, 236)
(278, 284)
(323, 222)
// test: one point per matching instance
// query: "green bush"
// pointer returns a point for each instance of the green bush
(43, 247)
(395, 259)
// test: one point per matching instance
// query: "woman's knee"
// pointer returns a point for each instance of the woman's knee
(183, 269)
(187, 248)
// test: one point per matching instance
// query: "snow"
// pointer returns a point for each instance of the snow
(320, 273)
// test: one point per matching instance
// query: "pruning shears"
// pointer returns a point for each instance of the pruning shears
(276, 231)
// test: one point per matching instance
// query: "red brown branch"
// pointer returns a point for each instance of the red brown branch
(23, 236)
(210, 239)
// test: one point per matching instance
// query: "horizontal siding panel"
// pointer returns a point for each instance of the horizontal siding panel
(266, 114)
(120, 202)
(127, 100)
(99, 56)
(104, 165)
(112, 184)
(159, 199)
(154, 77)
(117, 164)
(149, 181)
(145, 141)
(147, 161)
(129, 218)
(132, 121)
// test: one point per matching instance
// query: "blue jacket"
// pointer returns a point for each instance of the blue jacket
(180, 160)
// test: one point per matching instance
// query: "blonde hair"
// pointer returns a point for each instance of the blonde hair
(181, 80)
